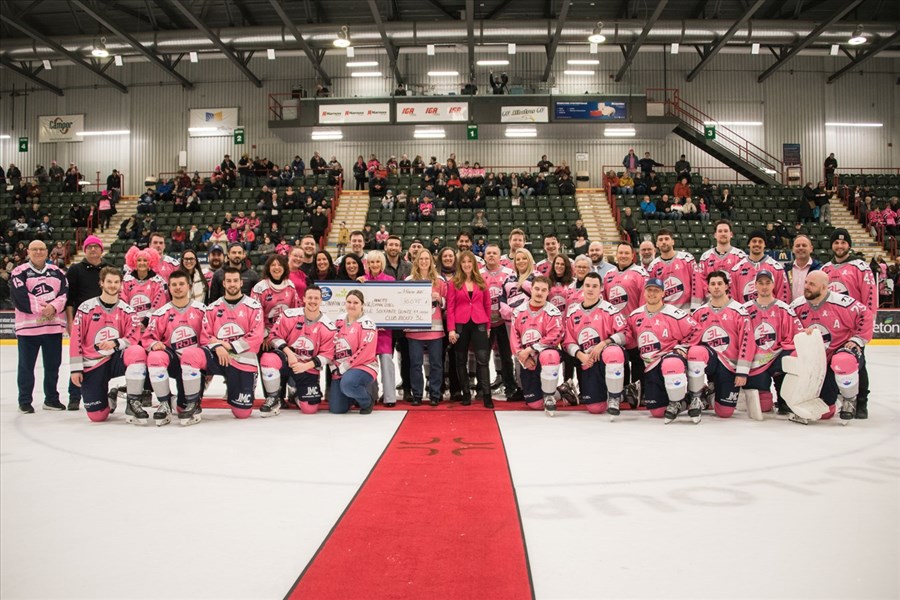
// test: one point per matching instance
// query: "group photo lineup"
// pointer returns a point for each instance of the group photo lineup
(596, 297)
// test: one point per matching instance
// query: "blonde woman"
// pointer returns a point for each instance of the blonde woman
(385, 347)
(518, 289)
(428, 340)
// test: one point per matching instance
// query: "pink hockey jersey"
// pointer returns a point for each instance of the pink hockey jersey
(774, 327)
(658, 334)
(587, 327)
(624, 290)
(94, 324)
(727, 331)
(677, 274)
(559, 296)
(144, 295)
(539, 329)
(177, 328)
(507, 261)
(516, 295)
(240, 324)
(30, 291)
(354, 346)
(274, 299)
(853, 278)
(576, 294)
(496, 281)
(743, 279)
(711, 261)
(308, 339)
(839, 318)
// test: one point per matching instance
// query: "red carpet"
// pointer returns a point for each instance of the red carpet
(436, 518)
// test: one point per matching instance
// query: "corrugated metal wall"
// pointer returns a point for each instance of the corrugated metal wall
(793, 105)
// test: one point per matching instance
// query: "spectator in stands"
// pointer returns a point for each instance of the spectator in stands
(360, 172)
(864, 207)
(283, 248)
(114, 186)
(317, 164)
(823, 203)
(404, 166)
(626, 184)
(566, 185)
(389, 200)
(298, 167)
(343, 238)
(44, 229)
(105, 208)
(285, 177)
(631, 163)
(178, 237)
(628, 225)
(683, 168)
(70, 181)
(350, 268)
(807, 204)
(244, 171)
(577, 228)
(725, 204)
(689, 210)
(192, 202)
(647, 165)
(889, 217)
(426, 209)
(266, 247)
(14, 176)
(41, 177)
(377, 186)
(56, 172)
(219, 236)
(670, 208)
(318, 224)
(194, 238)
(368, 237)
(248, 239)
(544, 165)
(831, 165)
(127, 229)
(479, 224)
(682, 189)
(563, 169)
(381, 236)
(648, 208)
(205, 239)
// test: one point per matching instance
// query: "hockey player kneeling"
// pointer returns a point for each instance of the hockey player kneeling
(846, 327)
(664, 334)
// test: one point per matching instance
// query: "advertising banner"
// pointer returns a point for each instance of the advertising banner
(341, 114)
(213, 122)
(524, 114)
(887, 326)
(60, 128)
(595, 110)
(432, 112)
(392, 305)
(7, 325)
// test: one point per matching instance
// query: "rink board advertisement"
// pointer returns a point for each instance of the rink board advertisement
(887, 326)
(524, 114)
(341, 114)
(595, 110)
(432, 112)
(392, 305)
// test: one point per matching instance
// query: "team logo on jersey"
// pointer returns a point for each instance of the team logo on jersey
(275, 312)
(530, 336)
(230, 331)
(716, 338)
(838, 287)
(749, 292)
(41, 289)
(765, 336)
(648, 344)
(674, 289)
(304, 348)
(220, 312)
(826, 334)
(588, 338)
(105, 334)
(618, 297)
(183, 337)
(140, 302)
(341, 349)
(558, 301)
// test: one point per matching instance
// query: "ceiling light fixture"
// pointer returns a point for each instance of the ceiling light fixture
(492, 63)
(366, 74)
(580, 61)
(429, 134)
(835, 48)
(596, 37)
(576, 72)
(673, 48)
(194, 57)
(594, 48)
(510, 49)
(350, 52)
(99, 49)
(443, 73)
(119, 60)
(754, 49)
(429, 49)
(270, 52)
(857, 38)
(343, 38)
(48, 65)
(111, 132)
(521, 132)
(854, 124)
(327, 134)
(363, 63)
(5, 136)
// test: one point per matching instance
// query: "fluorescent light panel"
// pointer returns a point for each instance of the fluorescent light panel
(583, 61)
(270, 52)
(48, 65)
(674, 48)
(5, 136)
(366, 74)
(363, 63)
(443, 73)
(431, 133)
(327, 134)
(854, 124)
(492, 63)
(111, 132)
(194, 57)
(619, 132)
(510, 48)
(754, 49)
(835, 48)
(576, 72)
(521, 132)
(429, 49)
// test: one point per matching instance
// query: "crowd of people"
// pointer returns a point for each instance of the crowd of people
(669, 332)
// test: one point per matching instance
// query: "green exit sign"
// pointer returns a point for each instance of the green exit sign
(23, 144)
(709, 132)
(472, 132)
(239, 136)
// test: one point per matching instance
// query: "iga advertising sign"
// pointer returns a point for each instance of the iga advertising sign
(213, 122)
(432, 112)
(524, 114)
(340, 114)
(60, 128)
(595, 110)
(887, 325)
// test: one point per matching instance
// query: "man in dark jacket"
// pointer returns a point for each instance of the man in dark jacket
(683, 168)
(647, 164)
(831, 165)
(236, 258)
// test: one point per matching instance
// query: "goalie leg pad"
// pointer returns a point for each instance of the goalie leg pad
(674, 377)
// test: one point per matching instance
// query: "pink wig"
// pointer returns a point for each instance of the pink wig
(135, 253)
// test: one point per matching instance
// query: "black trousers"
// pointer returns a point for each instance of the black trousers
(473, 336)
(500, 337)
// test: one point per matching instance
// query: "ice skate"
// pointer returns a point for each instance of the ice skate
(673, 409)
(612, 407)
(163, 414)
(633, 394)
(113, 399)
(497, 383)
(567, 394)
(190, 415)
(271, 407)
(146, 398)
(550, 405)
(695, 409)
(848, 411)
(134, 412)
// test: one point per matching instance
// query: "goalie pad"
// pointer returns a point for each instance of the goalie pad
(751, 401)
(804, 375)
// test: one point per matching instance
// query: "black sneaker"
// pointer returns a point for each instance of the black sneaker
(26, 409)
(53, 405)
(74, 405)
(366, 410)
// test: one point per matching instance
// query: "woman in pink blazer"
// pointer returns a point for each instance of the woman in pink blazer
(468, 320)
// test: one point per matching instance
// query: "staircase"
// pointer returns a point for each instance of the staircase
(863, 242)
(352, 209)
(597, 215)
(721, 153)
(125, 207)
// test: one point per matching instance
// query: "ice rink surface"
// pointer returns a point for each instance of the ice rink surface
(631, 509)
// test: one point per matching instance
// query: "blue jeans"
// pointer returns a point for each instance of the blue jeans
(435, 349)
(51, 347)
(353, 386)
